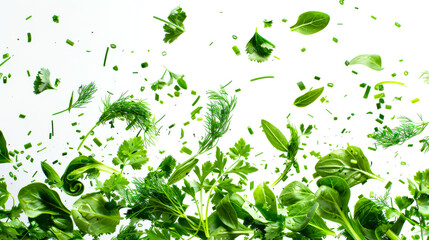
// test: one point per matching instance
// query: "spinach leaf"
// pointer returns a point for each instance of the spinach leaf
(310, 22)
(300, 214)
(275, 136)
(317, 228)
(349, 164)
(36, 199)
(258, 48)
(372, 61)
(295, 192)
(227, 213)
(52, 177)
(75, 170)
(265, 201)
(308, 97)
(91, 215)
(4, 153)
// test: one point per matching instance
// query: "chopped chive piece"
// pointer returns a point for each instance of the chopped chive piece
(393, 75)
(22, 116)
(80, 115)
(335, 118)
(40, 143)
(57, 82)
(41, 149)
(177, 88)
(379, 121)
(96, 141)
(7, 59)
(236, 50)
(250, 130)
(300, 85)
(74, 124)
(252, 184)
(343, 130)
(28, 37)
(196, 111)
(105, 57)
(397, 24)
(28, 73)
(347, 63)
(389, 107)
(177, 93)
(156, 97)
(258, 154)
(28, 157)
(415, 100)
(34, 174)
(410, 145)
(362, 85)
(381, 100)
(238, 90)
(12, 154)
(6, 55)
(115, 68)
(368, 88)
(354, 72)
(328, 111)
(186, 123)
(87, 148)
(400, 180)
(70, 42)
(317, 77)
(52, 127)
(170, 95)
(381, 116)
(378, 105)
(113, 46)
(303, 49)
(145, 65)
(4, 79)
(380, 95)
(373, 17)
(258, 78)
(28, 134)
(182, 133)
(388, 185)
(196, 100)
(372, 149)
(172, 125)
(234, 37)
(335, 39)
(330, 84)
(193, 92)
(55, 162)
(28, 18)
(186, 150)
(64, 154)
(27, 146)
(56, 19)
(406, 73)
(199, 118)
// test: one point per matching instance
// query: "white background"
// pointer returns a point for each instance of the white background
(94, 25)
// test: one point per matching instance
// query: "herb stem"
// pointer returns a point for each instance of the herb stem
(258, 78)
(7, 59)
(60, 112)
(105, 57)
(83, 140)
(376, 87)
(393, 236)
(170, 23)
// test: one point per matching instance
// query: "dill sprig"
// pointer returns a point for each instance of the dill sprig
(406, 130)
(218, 118)
(135, 112)
(86, 94)
(425, 144)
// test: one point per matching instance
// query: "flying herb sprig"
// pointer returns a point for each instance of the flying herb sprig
(135, 112)
(258, 48)
(174, 26)
(42, 81)
(86, 94)
(160, 83)
(406, 130)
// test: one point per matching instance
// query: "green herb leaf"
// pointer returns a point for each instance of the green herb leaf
(275, 136)
(182, 170)
(132, 153)
(265, 201)
(226, 213)
(308, 98)
(240, 149)
(259, 49)
(92, 217)
(372, 61)
(174, 27)
(42, 81)
(4, 194)
(310, 22)
(295, 192)
(52, 177)
(300, 214)
(4, 153)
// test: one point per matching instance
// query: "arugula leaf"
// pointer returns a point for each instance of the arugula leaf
(4, 153)
(174, 26)
(131, 153)
(372, 61)
(310, 22)
(258, 48)
(4, 194)
(42, 81)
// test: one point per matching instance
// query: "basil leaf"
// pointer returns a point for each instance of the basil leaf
(182, 170)
(92, 217)
(372, 61)
(265, 201)
(310, 22)
(4, 154)
(300, 214)
(308, 98)
(276, 138)
(227, 213)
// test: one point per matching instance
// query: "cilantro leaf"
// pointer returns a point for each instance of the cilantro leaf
(42, 81)
(268, 24)
(259, 49)
(240, 149)
(174, 27)
(160, 83)
(114, 183)
(131, 152)
(242, 169)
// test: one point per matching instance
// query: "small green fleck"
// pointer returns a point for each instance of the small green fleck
(70, 42)
(415, 100)
(27, 146)
(317, 77)
(397, 24)
(236, 50)
(354, 72)
(113, 46)
(388, 107)
(303, 49)
(115, 68)
(96, 141)
(300, 85)
(330, 84)
(406, 73)
(28, 37)
(250, 130)
(373, 17)
(22, 116)
(28, 18)
(56, 19)
(284, 20)
(145, 65)
(234, 37)
(335, 39)
(186, 150)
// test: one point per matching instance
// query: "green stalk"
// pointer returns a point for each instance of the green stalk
(83, 140)
(392, 235)
(170, 23)
(348, 226)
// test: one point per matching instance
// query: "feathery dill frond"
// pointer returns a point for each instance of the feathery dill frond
(135, 112)
(218, 118)
(86, 94)
(425, 76)
(406, 130)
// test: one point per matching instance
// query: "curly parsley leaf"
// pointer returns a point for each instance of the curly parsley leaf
(131, 152)
(240, 149)
(259, 49)
(42, 81)
(174, 27)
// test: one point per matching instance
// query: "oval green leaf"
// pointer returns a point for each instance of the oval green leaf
(4, 154)
(308, 98)
(265, 201)
(276, 138)
(227, 213)
(372, 61)
(295, 192)
(182, 170)
(300, 214)
(310, 22)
